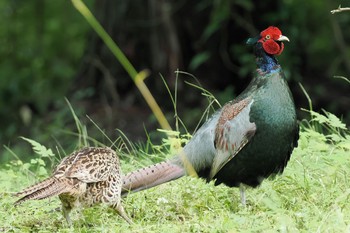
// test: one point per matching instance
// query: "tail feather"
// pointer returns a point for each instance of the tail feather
(35, 187)
(151, 176)
(42, 190)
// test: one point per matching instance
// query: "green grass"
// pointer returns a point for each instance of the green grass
(312, 195)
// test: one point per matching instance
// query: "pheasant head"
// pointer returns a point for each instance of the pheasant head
(271, 39)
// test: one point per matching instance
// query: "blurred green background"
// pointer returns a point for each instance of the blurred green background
(48, 52)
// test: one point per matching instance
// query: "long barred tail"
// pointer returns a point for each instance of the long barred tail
(47, 188)
(36, 187)
(151, 176)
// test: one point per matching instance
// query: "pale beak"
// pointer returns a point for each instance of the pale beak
(283, 38)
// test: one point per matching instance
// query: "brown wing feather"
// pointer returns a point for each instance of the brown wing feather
(92, 164)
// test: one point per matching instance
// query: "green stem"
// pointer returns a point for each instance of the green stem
(135, 76)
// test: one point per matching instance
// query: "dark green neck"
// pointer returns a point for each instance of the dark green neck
(265, 62)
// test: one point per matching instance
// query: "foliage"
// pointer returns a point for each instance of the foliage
(172, 143)
(37, 165)
(39, 149)
(39, 53)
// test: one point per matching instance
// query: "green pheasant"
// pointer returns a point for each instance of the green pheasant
(247, 140)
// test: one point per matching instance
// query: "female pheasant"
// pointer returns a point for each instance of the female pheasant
(244, 142)
(88, 176)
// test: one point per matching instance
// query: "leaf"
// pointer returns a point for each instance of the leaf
(26, 166)
(315, 135)
(169, 133)
(344, 145)
(335, 138)
(42, 171)
(198, 60)
(39, 149)
(41, 162)
(33, 161)
(335, 121)
(220, 14)
(319, 117)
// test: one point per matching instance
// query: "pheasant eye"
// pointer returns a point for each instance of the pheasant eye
(267, 37)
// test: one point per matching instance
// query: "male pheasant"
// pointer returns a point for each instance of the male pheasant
(244, 142)
(88, 176)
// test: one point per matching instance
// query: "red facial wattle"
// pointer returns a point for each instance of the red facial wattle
(272, 47)
(271, 40)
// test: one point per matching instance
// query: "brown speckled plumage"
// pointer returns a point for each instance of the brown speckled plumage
(86, 177)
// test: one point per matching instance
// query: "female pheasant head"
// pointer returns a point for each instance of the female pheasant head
(271, 39)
